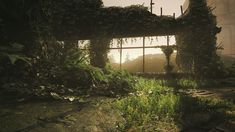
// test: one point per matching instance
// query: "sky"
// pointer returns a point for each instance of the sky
(169, 7)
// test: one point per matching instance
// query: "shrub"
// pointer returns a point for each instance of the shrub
(120, 82)
(83, 76)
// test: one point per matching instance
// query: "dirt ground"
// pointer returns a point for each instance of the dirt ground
(57, 116)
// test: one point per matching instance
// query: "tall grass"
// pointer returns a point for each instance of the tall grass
(150, 104)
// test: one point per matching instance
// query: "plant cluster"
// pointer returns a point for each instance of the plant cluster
(61, 68)
(197, 42)
(150, 104)
(98, 51)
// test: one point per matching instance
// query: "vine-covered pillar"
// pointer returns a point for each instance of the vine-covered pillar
(99, 48)
(197, 42)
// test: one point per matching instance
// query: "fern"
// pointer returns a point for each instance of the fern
(12, 52)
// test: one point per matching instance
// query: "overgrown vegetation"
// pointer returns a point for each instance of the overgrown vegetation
(13, 53)
(197, 43)
(40, 56)
(73, 78)
(150, 104)
(99, 51)
(155, 107)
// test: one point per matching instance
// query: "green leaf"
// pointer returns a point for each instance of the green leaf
(13, 58)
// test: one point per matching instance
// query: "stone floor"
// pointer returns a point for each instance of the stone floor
(57, 116)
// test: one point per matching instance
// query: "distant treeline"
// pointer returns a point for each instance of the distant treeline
(156, 63)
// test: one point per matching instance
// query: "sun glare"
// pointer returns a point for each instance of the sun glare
(169, 7)
(132, 47)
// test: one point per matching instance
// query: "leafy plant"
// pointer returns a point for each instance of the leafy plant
(120, 82)
(13, 53)
(83, 76)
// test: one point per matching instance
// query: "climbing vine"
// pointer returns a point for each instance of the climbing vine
(197, 42)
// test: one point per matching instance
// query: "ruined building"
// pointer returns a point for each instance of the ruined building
(225, 12)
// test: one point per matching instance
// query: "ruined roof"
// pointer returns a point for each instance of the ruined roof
(113, 22)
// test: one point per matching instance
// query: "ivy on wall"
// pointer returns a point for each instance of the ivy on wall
(76, 22)
(197, 41)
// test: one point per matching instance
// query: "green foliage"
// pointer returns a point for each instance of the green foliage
(187, 83)
(92, 20)
(151, 103)
(84, 79)
(82, 76)
(60, 64)
(71, 16)
(132, 21)
(120, 82)
(12, 63)
(75, 57)
(13, 53)
(192, 83)
(197, 43)
(98, 51)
